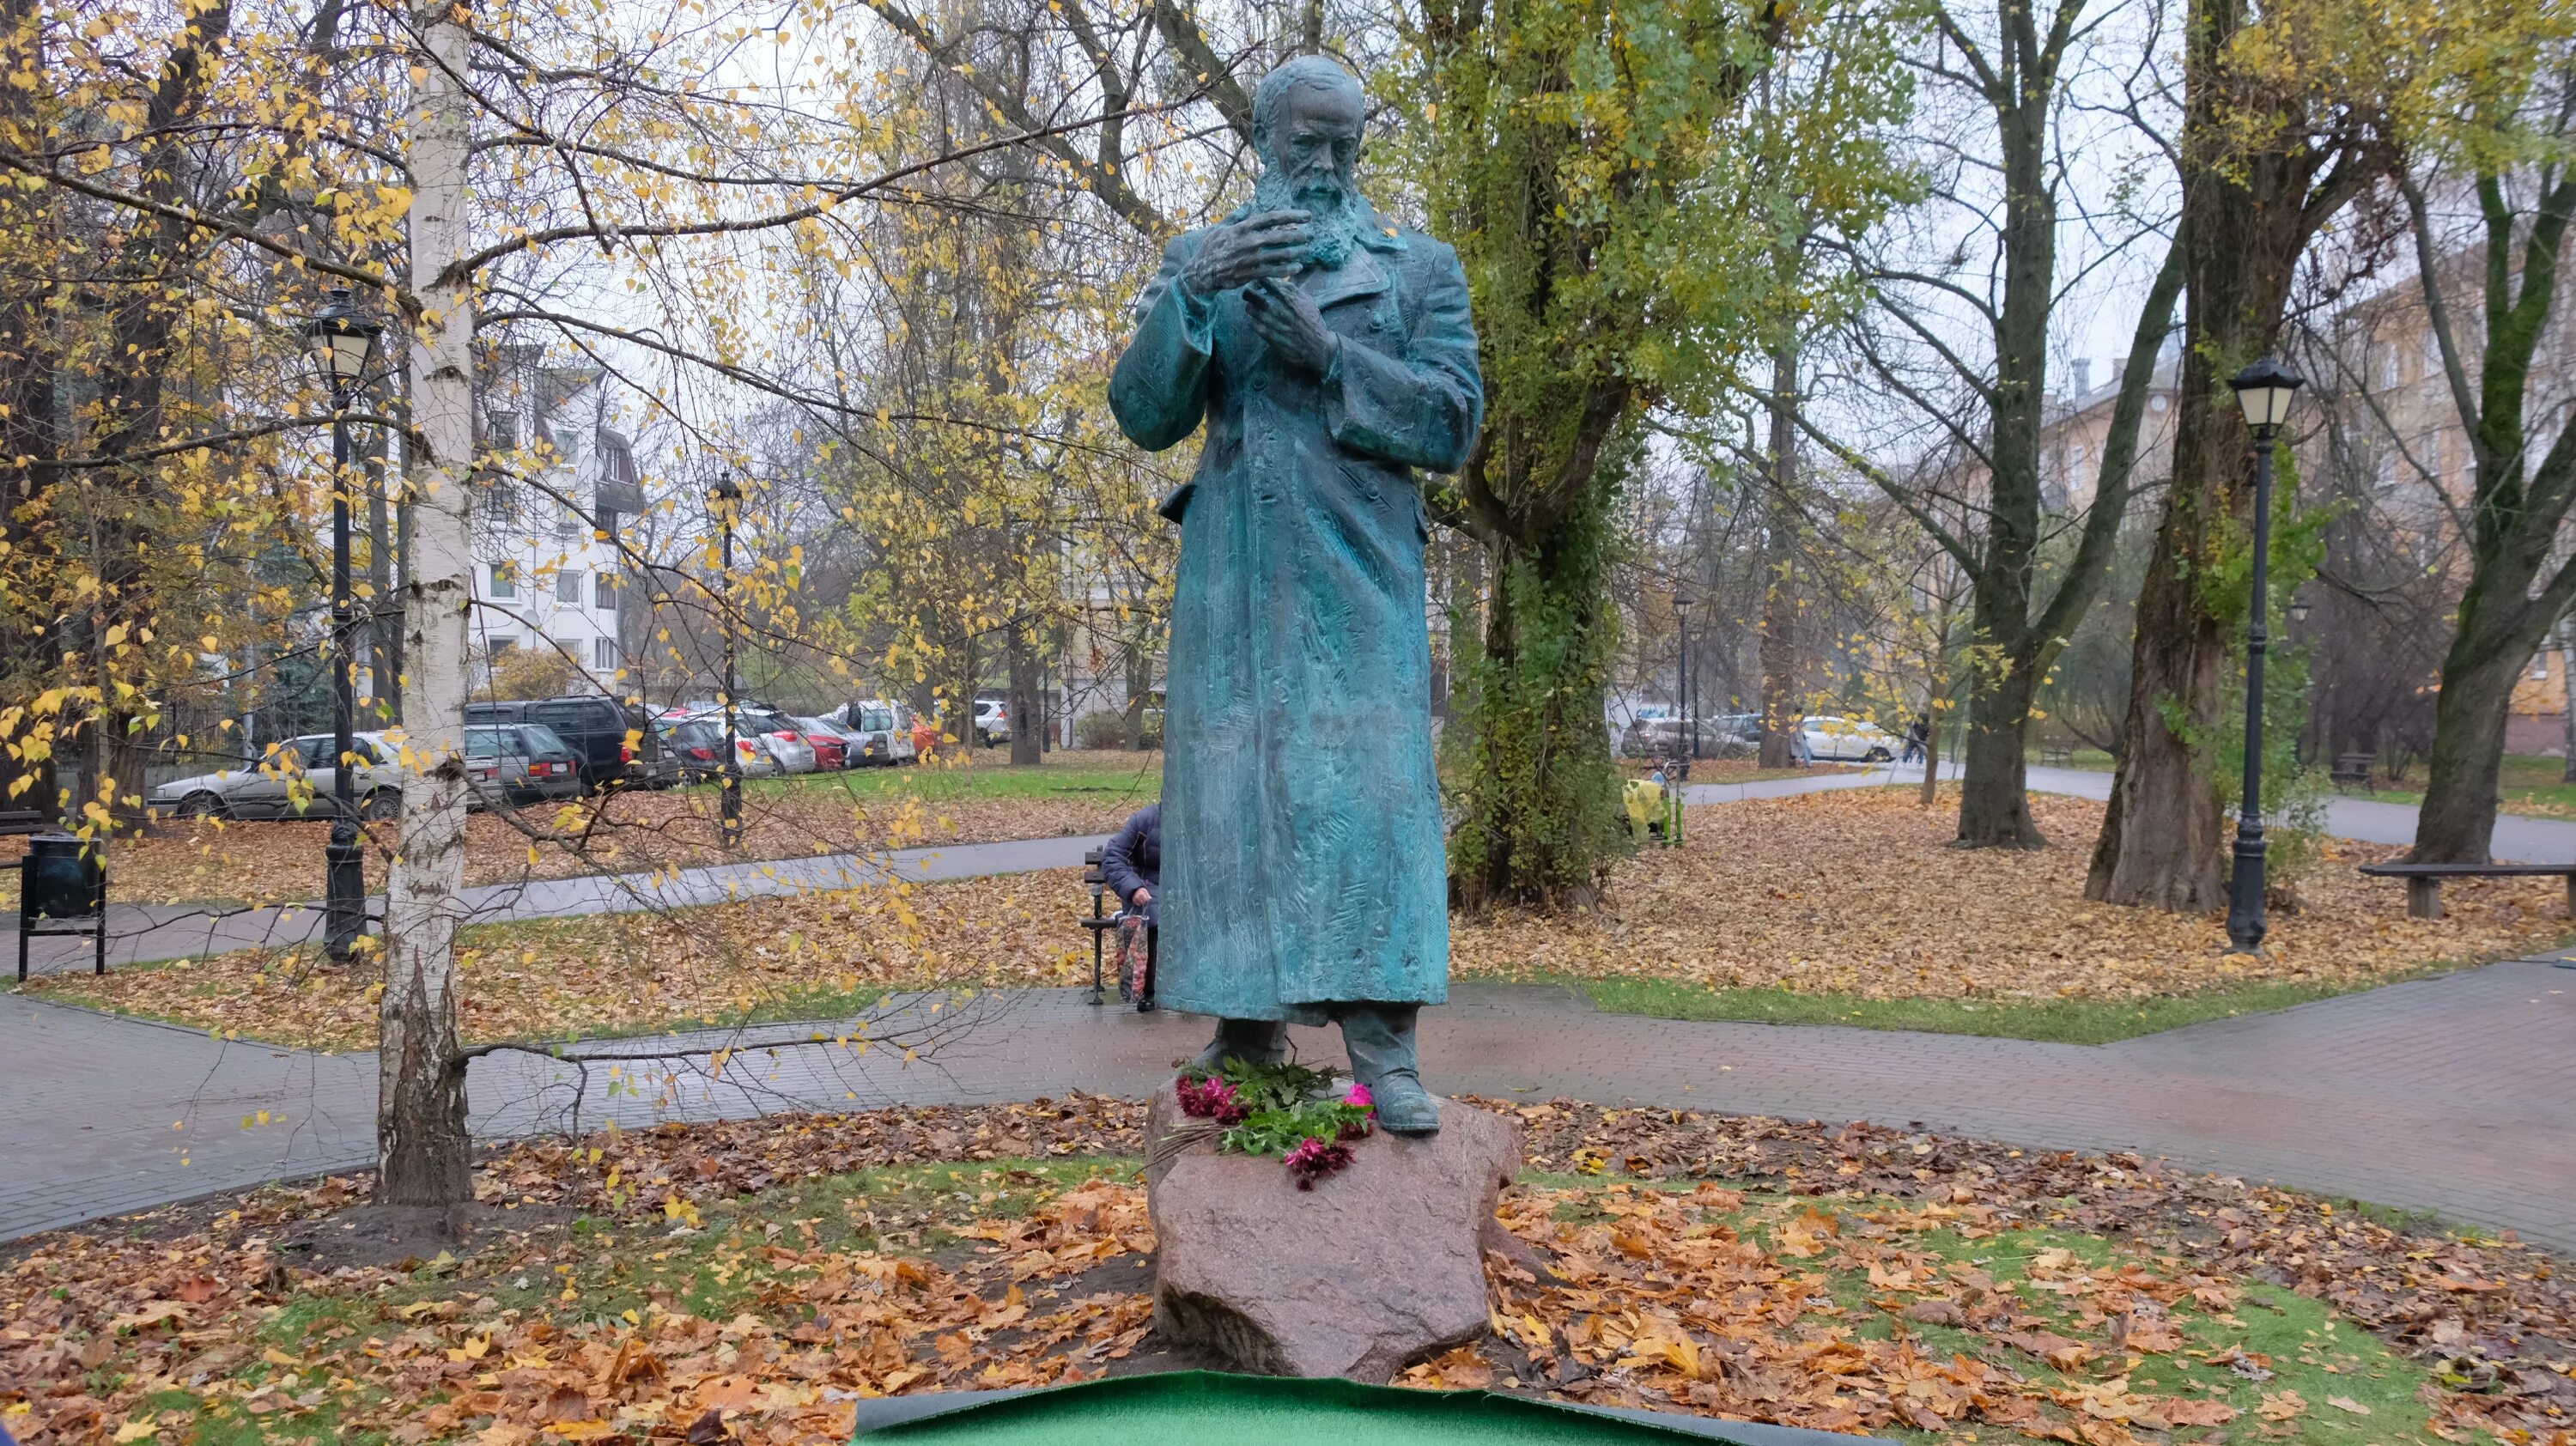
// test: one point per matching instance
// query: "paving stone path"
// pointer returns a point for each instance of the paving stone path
(2455, 1094)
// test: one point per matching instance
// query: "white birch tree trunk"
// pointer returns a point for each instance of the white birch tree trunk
(421, 1143)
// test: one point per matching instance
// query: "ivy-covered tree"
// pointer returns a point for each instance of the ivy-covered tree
(1620, 194)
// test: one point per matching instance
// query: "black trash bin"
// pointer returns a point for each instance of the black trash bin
(61, 878)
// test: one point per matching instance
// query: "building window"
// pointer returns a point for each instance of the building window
(568, 587)
(2428, 448)
(503, 433)
(616, 459)
(505, 581)
(603, 654)
(500, 499)
(2387, 368)
(603, 591)
(497, 646)
(2540, 667)
(2385, 470)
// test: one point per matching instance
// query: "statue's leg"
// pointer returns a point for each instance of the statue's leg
(1254, 1041)
(1380, 1040)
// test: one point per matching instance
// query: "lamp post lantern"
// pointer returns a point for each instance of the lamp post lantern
(342, 340)
(725, 499)
(2263, 391)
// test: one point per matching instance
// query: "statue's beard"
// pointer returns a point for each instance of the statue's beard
(1338, 212)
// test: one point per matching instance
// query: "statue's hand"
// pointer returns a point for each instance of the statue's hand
(1241, 252)
(1289, 320)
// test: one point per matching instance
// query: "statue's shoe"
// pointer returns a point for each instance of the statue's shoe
(1404, 1107)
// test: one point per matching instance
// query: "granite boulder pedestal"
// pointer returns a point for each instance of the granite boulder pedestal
(1377, 1267)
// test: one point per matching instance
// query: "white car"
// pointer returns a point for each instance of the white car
(785, 737)
(992, 720)
(883, 731)
(1848, 740)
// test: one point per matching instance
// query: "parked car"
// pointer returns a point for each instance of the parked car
(696, 746)
(613, 741)
(293, 779)
(781, 735)
(520, 763)
(785, 737)
(832, 747)
(1718, 735)
(992, 721)
(883, 732)
(1847, 740)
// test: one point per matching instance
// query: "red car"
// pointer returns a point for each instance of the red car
(831, 746)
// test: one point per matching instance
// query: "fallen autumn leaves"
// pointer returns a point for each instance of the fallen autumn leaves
(745, 1281)
(1855, 893)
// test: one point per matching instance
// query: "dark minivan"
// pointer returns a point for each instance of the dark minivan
(599, 731)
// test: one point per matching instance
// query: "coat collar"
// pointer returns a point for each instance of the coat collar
(1362, 275)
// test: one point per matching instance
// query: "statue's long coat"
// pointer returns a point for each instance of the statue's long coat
(1303, 859)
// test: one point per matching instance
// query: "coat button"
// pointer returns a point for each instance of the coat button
(1261, 381)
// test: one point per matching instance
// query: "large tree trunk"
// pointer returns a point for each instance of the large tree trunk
(1994, 797)
(1781, 705)
(1544, 808)
(1025, 722)
(2248, 211)
(1139, 675)
(2456, 824)
(2514, 596)
(422, 1149)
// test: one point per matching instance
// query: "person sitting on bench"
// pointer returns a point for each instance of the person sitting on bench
(1132, 866)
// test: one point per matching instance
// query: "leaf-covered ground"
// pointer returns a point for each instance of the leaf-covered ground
(747, 1281)
(1859, 893)
(1849, 897)
(268, 862)
(823, 956)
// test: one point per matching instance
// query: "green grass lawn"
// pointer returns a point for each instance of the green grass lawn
(2527, 783)
(2093, 759)
(2050, 1021)
(1137, 776)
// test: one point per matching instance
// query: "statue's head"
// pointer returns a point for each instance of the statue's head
(1306, 119)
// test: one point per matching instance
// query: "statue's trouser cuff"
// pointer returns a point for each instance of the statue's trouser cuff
(1254, 1041)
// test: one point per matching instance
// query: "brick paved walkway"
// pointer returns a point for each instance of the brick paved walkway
(2455, 1094)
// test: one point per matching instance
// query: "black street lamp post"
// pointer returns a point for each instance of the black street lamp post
(1682, 687)
(2264, 391)
(726, 497)
(342, 339)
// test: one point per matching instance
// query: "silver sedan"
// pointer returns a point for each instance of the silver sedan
(293, 779)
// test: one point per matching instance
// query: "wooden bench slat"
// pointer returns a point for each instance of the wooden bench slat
(2424, 881)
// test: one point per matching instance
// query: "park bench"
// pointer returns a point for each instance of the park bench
(1102, 921)
(2056, 755)
(2351, 771)
(2424, 881)
(22, 821)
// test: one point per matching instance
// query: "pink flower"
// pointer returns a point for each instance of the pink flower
(1211, 1099)
(1360, 1096)
(1313, 1160)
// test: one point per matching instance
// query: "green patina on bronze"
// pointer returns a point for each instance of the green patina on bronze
(1304, 870)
